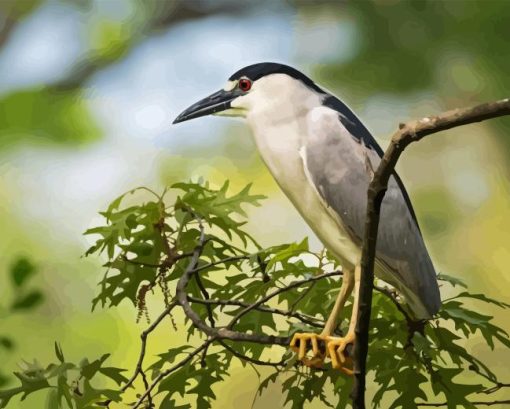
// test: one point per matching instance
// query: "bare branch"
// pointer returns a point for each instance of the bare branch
(408, 133)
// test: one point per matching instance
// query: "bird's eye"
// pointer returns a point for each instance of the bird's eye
(244, 84)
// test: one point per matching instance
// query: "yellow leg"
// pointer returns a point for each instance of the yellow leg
(301, 341)
(348, 282)
(336, 346)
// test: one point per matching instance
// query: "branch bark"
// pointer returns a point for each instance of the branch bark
(407, 134)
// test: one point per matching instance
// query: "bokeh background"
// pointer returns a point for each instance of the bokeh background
(88, 91)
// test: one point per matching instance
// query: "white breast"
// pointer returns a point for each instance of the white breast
(281, 145)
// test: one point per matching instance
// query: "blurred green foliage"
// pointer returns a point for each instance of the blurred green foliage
(452, 48)
(22, 299)
(43, 115)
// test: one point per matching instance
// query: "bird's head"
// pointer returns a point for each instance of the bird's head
(264, 87)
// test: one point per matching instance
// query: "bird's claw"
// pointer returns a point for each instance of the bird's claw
(299, 344)
(336, 350)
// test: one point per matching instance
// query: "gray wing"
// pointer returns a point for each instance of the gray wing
(340, 166)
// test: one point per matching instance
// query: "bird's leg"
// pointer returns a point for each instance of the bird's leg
(301, 341)
(336, 346)
(345, 291)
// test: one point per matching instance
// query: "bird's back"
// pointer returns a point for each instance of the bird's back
(340, 159)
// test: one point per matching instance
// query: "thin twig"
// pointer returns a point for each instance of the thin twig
(388, 293)
(174, 368)
(279, 291)
(497, 386)
(143, 346)
(305, 292)
(302, 317)
(205, 294)
(243, 357)
(146, 385)
(476, 403)
(223, 261)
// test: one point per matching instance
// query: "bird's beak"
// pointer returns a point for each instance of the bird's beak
(217, 102)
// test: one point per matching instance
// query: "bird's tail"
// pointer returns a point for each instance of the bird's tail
(416, 280)
(424, 299)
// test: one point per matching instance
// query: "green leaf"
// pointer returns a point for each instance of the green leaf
(28, 301)
(21, 271)
(454, 281)
(7, 343)
(265, 383)
(88, 370)
(91, 396)
(58, 352)
(169, 356)
(52, 401)
(115, 374)
(31, 381)
(407, 383)
(482, 297)
(63, 391)
(456, 394)
(283, 254)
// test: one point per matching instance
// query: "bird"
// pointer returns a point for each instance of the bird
(323, 158)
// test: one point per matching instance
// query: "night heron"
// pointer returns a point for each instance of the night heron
(323, 158)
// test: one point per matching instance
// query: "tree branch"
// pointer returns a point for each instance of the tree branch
(143, 346)
(476, 403)
(301, 317)
(223, 261)
(227, 332)
(217, 333)
(408, 133)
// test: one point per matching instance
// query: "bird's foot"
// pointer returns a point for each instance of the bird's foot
(300, 343)
(339, 353)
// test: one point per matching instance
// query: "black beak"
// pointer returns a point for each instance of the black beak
(217, 102)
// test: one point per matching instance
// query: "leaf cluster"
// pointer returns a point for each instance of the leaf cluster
(68, 384)
(151, 243)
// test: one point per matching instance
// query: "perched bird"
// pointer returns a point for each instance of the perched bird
(323, 158)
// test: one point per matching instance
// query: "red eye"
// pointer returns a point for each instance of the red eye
(244, 84)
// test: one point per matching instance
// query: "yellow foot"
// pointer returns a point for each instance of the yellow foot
(336, 350)
(300, 343)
